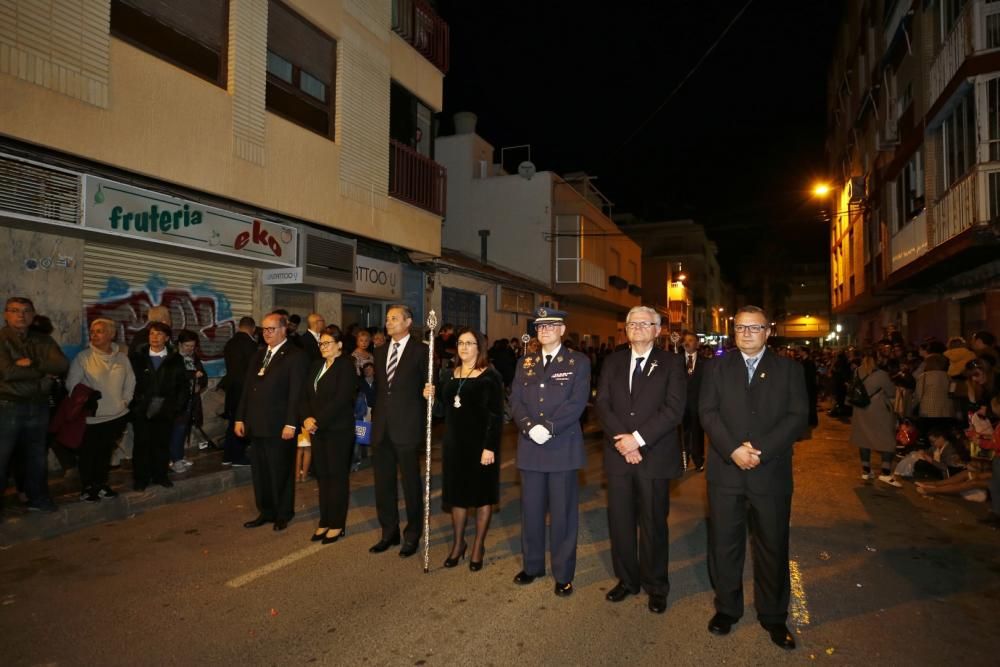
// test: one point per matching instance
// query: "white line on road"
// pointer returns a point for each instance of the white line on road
(264, 570)
(799, 604)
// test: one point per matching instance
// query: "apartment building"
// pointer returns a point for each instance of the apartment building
(219, 157)
(553, 232)
(913, 144)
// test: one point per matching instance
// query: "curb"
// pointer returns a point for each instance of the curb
(76, 515)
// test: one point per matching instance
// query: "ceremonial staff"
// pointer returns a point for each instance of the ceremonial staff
(431, 325)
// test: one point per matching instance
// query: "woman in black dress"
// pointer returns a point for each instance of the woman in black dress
(473, 402)
(327, 411)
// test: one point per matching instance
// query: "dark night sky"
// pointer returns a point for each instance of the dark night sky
(735, 148)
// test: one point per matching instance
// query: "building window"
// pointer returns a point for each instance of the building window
(951, 10)
(410, 121)
(993, 116)
(958, 141)
(909, 192)
(301, 70)
(191, 34)
(462, 309)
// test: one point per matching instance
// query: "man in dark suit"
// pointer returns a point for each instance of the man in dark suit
(640, 402)
(310, 337)
(694, 435)
(398, 431)
(268, 415)
(238, 352)
(754, 408)
(551, 388)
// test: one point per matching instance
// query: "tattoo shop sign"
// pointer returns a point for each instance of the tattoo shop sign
(377, 278)
(134, 213)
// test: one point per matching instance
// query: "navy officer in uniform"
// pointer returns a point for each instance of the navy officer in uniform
(550, 392)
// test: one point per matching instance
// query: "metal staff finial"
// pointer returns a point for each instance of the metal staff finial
(431, 325)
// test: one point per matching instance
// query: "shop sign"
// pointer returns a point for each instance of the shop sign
(377, 278)
(135, 213)
(290, 276)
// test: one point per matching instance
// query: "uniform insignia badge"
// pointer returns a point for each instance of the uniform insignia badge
(529, 362)
(572, 361)
(652, 367)
(542, 312)
(763, 375)
(559, 359)
(529, 373)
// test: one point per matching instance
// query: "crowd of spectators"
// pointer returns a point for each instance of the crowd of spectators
(931, 410)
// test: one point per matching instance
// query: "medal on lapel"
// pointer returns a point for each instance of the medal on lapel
(458, 401)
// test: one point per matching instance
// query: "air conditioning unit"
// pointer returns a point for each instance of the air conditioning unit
(888, 135)
(328, 259)
(856, 189)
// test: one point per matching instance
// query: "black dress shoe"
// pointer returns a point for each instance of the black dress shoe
(319, 535)
(780, 635)
(259, 521)
(280, 524)
(619, 592)
(328, 539)
(522, 578)
(477, 565)
(383, 545)
(657, 603)
(564, 590)
(408, 549)
(452, 562)
(721, 624)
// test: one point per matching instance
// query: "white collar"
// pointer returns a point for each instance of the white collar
(553, 354)
(277, 347)
(757, 358)
(401, 342)
(314, 334)
(162, 353)
(645, 357)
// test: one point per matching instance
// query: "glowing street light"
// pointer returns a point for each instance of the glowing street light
(821, 189)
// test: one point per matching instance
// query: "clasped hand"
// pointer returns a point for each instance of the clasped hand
(539, 434)
(746, 457)
(628, 447)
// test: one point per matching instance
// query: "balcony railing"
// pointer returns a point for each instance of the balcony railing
(909, 242)
(418, 23)
(976, 29)
(973, 200)
(417, 179)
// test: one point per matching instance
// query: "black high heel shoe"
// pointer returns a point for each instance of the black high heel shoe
(452, 562)
(318, 535)
(330, 540)
(477, 565)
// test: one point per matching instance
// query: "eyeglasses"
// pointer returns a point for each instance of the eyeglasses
(270, 329)
(639, 325)
(466, 343)
(20, 311)
(324, 343)
(546, 327)
(751, 328)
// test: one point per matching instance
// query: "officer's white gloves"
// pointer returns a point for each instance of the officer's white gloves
(539, 434)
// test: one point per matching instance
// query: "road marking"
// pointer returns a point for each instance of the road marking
(265, 570)
(800, 606)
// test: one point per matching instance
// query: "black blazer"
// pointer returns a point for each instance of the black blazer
(771, 413)
(331, 401)
(654, 408)
(271, 401)
(694, 380)
(401, 412)
(238, 351)
(169, 382)
(310, 346)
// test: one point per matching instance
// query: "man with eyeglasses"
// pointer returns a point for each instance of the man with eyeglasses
(640, 402)
(268, 416)
(550, 392)
(28, 362)
(754, 407)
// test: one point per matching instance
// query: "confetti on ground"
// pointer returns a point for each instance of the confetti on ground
(823, 555)
(830, 651)
(274, 612)
(859, 585)
(872, 549)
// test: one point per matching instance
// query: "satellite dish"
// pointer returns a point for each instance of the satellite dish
(526, 170)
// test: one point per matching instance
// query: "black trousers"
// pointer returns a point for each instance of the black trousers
(387, 458)
(638, 506)
(272, 463)
(331, 460)
(731, 516)
(694, 438)
(99, 441)
(150, 450)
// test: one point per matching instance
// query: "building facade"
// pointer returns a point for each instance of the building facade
(220, 157)
(553, 232)
(914, 148)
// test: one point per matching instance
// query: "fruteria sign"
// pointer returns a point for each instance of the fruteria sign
(135, 213)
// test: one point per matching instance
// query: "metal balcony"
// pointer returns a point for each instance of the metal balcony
(421, 27)
(417, 179)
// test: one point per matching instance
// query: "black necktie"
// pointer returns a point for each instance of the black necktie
(548, 358)
(636, 374)
(267, 359)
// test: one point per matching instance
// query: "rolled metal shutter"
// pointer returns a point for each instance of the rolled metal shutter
(206, 296)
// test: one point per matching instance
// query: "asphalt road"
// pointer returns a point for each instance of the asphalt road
(883, 577)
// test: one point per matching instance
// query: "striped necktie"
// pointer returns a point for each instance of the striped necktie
(390, 370)
(751, 365)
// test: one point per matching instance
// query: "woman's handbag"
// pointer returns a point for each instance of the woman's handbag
(857, 395)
